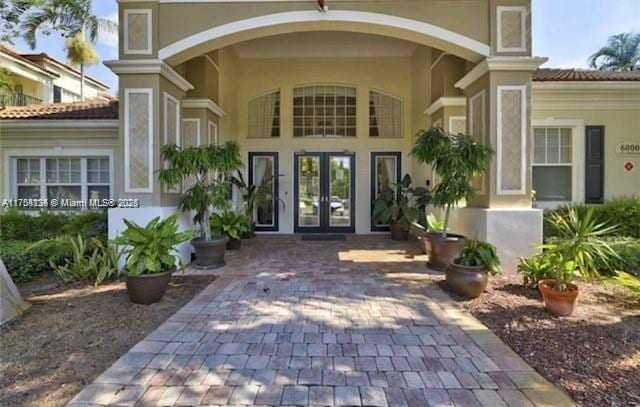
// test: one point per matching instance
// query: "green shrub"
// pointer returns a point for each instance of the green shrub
(90, 260)
(28, 227)
(534, 269)
(623, 212)
(22, 264)
(629, 261)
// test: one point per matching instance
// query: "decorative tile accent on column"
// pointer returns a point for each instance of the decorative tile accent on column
(190, 132)
(171, 125)
(512, 29)
(457, 124)
(511, 140)
(476, 127)
(137, 32)
(190, 138)
(138, 140)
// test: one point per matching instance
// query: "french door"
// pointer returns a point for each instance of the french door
(324, 193)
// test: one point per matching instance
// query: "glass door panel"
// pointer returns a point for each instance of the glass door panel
(308, 191)
(340, 191)
(263, 175)
(385, 171)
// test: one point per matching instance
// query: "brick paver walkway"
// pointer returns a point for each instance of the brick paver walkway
(322, 323)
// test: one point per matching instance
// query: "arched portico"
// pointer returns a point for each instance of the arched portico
(341, 20)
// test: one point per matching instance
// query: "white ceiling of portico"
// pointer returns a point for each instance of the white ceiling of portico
(321, 44)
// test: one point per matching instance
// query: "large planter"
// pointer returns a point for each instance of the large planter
(397, 232)
(210, 253)
(467, 281)
(559, 303)
(442, 251)
(148, 288)
(234, 244)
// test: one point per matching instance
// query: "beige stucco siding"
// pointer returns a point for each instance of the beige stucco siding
(621, 125)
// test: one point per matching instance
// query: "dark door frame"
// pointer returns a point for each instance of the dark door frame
(588, 161)
(276, 199)
(325, 198)
(374, 155)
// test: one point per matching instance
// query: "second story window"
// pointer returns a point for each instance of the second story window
(57, 94)
(324, 111)
(264, 116)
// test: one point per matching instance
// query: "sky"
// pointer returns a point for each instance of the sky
(565, 31)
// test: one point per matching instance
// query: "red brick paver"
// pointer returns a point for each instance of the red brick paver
(359, 322)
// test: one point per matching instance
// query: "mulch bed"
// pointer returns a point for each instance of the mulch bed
(594, 355)
(72, 334)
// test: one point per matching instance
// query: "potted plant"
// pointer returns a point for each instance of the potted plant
(575, 250)
(151, 257)
(399, 205)
(232, 224)
(468, 274)
(457, 159)
(205, 168)
(255, 198)
(433, 225)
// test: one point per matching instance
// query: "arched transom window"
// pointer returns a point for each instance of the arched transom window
(324, 111)
(264, 116)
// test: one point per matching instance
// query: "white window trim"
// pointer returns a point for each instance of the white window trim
(149, 49)
(578, 141)
(523, 141)
(127, 163)
(11, 157)
(523, 28)
(481, 96)
(168, 97)
(212, 133)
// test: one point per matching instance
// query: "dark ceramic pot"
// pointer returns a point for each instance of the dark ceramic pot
(210, 253)
(234, 244)
(397, 232)
(559, 303)
(469, 282)
(148, 288)
(442, 251)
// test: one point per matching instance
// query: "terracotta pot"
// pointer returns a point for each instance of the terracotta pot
(210, 253)
(559, 303)
(234, 244)
(148, 288)
(397, 232)
(467, 281)
(442, 251)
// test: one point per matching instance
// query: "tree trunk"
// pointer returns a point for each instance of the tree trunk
(11, 303)
(82, 82)
(446, 221)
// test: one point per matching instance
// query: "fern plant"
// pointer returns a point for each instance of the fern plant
(230, 223)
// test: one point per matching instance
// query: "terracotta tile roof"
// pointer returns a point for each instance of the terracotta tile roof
(584, 75)
(88, 110)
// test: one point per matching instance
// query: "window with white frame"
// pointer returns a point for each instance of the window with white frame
(264, 116)
(385, 115)
(324, 111)
(73, 178)
(553, 163)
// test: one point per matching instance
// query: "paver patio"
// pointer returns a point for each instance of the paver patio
(351, 323)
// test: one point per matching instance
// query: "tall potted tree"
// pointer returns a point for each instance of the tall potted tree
(206, 168)
(457, 159)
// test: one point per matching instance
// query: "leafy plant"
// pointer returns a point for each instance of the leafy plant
(254, 195)
(401, 203)
(434, 224)
(457, 159)
(625, 280)
(622, 53)
(86, 264)
(478, 253)
(152, 248)
(580, 243)
(536, 268)
(17, 225)
(628, 260)
(207, 165)
(230, 223)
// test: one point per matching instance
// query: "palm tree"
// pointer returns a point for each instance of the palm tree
(622, 53)
(73, 19)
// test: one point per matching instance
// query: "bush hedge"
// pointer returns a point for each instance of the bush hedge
(623, 212)
(16, 225)
(19, 231)
(629, 251)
